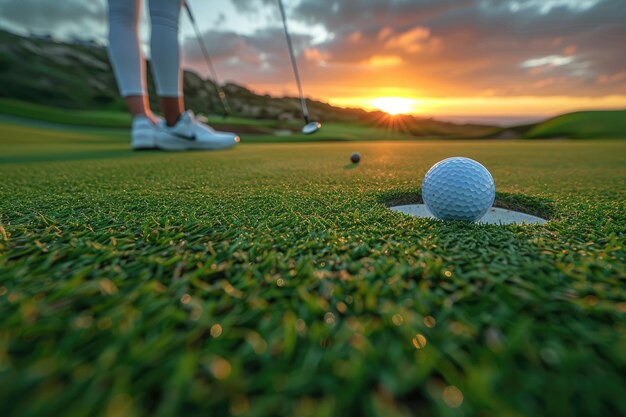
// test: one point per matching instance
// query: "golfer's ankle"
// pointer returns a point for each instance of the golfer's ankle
(171, 120)
(148, 115)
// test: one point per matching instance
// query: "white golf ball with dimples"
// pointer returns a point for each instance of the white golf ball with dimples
(458, 189)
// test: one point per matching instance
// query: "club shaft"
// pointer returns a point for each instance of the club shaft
(220, 92)
(294, 64)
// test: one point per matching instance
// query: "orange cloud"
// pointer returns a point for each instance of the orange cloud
(385, 60)
(570, 50)
(544, 83)
(385, 33)
(315, 55)
(605, 79)
(410, 41)
(355, 37)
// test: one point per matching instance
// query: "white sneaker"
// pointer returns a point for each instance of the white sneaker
(191, 134)
(143, 134)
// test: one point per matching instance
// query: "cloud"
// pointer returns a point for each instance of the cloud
(427, 47)
(616, 77)
(384, 61)
(259, 58)
(314, 54)
(546, 6)
(469, 47)
(550, 60)
(66, 16)
(409, 40)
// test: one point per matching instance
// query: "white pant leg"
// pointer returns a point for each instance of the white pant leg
(164, 47)
(124, 47)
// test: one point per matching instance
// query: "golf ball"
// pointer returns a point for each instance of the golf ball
(458, 189)
(355, 158)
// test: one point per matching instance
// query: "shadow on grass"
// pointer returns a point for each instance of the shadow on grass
(537, 206)
(350, 166)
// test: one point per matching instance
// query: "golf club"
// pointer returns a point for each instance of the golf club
(310, 126)
(207, 58)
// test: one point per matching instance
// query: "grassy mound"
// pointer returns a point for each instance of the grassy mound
(273, 280)
(583, 125)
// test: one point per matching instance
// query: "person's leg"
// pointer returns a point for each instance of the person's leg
(166, 59)
(126, 56)
(183, 131)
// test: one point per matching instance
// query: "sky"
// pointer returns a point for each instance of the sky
(473, 60)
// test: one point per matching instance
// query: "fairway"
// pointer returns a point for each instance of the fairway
(272, 279)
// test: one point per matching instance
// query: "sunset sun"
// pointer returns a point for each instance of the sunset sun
(394, 105)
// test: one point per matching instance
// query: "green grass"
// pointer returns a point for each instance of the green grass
(583, 125)
(273, 280)
(103, 118)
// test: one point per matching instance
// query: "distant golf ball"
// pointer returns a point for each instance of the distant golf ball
(458, 189)
(355, 158)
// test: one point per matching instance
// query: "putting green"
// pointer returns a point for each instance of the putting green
(274, 280)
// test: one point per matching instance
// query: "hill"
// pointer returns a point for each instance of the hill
(44, 71)
(582, 125)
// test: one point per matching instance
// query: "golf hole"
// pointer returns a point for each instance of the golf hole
(507, 209)
(494, 215)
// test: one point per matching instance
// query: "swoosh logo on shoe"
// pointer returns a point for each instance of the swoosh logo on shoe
(191, 138)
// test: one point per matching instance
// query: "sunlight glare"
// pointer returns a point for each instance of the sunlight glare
(394, 105)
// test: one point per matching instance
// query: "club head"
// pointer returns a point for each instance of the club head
(311, 127)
